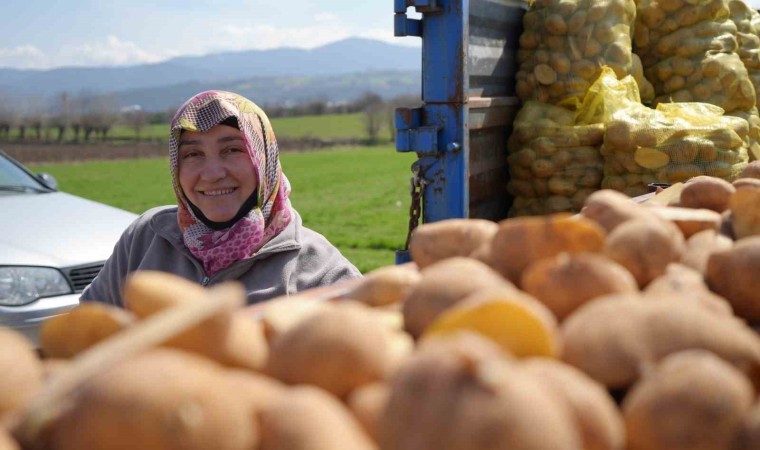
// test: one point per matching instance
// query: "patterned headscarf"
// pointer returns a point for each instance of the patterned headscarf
(218, 249)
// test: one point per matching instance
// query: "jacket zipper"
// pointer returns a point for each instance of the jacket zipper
(205, 280)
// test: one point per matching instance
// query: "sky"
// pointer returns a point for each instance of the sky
(44, 34)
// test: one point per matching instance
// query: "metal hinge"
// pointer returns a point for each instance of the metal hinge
(412, 136)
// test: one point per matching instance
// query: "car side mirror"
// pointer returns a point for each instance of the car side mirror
(48, 180)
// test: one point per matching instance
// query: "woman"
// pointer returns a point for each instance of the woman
(233, 219)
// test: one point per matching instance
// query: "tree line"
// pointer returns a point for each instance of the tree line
(86, 116)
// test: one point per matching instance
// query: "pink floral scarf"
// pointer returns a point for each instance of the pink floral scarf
(217, 249)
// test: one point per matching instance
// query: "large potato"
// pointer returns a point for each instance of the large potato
(733, 274)
(707, 192)
(82, 327)
(20, 371)
(432, 242)
(610, 208)
(692, 400)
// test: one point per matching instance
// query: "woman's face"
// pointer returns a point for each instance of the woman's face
(215, 172)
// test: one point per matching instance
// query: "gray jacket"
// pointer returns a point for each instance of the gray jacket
(294, 260)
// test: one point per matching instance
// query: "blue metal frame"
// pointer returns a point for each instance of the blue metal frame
(437, 130)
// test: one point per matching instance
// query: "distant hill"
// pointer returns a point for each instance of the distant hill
(257, 67)
(282, 90)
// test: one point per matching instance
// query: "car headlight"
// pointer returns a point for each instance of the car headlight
(22, 285)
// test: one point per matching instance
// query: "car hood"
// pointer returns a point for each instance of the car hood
(58, 229)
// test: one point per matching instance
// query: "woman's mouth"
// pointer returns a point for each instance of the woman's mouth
(218, 192)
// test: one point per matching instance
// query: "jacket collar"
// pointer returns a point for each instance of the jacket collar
(164, 223)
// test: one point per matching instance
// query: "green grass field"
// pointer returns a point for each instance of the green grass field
(357, 197)
(328, 126)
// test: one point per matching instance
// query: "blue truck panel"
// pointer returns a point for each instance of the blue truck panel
(460, 132)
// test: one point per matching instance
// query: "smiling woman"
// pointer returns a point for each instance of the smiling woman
(233, 219)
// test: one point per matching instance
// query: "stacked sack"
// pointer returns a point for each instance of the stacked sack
(671, 144)
(688, 50)
(565, 43)
(554, 164)
(747, 20)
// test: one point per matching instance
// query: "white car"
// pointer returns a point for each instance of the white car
(52, 245)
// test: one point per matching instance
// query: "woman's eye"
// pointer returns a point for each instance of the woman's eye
(190, 154)
(234, 150)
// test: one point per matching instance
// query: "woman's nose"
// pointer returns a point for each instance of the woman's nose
(213, 170)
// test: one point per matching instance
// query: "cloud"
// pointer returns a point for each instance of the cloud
(22, 57)
(110, 52)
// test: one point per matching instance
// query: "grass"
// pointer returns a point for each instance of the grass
(357, 197)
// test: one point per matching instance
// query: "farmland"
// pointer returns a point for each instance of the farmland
(356, 196)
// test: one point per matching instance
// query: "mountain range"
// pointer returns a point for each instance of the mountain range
(339, 71)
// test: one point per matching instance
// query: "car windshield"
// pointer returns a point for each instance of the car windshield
(14, 179)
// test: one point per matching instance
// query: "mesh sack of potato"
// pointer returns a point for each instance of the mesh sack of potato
(670, 144)
(554, 164)
(747, 38)
(753, 119)
(565, 43)
(689, 53)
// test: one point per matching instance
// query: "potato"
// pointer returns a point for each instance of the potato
(689, 221)
(522, 241)
(387, 285)
(746, 182)
(448, 396)
(751, 171)
(67, 335)
(691, 400)
(594, 410)
(700, 246)
(555, 281)
(282, 313)
(161, 399)
(685, 284)
(432, 242)
(308, 418)
(707, 192)
(645, 248)
(610, 208)
(233, 340)
(515, 321)
(367, 404)
(732, 274)
(20, 371)
(362, 350)
(745, 212)
(749, 434)
(617, 338)
(7, 442)
(442, 285)
(256, 389)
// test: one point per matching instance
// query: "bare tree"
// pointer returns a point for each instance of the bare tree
(8, 115)
(134, 117)
(61, 114)
(372, 105)
(99, 114)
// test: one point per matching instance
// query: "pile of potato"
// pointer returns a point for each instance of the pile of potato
(627, 326)
(689, 52)
(565, 44)
(554, 164)
(747, 21)
(671, 144)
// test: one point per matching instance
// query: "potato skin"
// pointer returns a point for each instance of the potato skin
(751, 171)
(596, 413)
(682, 283)
(308, 418)
(524, 240)
(360, 350)
(367, 404)
(447, 398)
(692, 400)
(645, 248)
(733, 274)
(435, 241)
(441, 286)
(615, 338)
(7, 442)
(700, 246)
(67, 335)
(566, 282)
(707, 192)
(387, 285)
(161, 399)
(611, 208)
(21, 371)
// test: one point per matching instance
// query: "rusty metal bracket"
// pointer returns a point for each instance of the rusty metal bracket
(417, 184)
